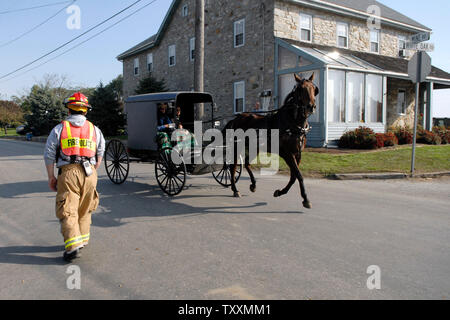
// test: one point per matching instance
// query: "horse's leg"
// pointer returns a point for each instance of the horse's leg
(250, 173)
(279, 193)
(293, 166)
(306, 202)
(233, 168)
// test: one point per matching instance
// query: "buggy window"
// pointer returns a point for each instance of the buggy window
(169, 111)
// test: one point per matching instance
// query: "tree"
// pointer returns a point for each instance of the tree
(107, 109)
(116, 85)
(45, 108)
(11, 114)
(150, 85)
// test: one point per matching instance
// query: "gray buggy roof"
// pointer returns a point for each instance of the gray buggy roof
(187, 96)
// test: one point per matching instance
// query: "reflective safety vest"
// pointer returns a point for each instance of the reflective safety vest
(78, 141)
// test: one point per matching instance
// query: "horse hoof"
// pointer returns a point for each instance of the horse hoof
(277, 194)
(237, 195)
(252, 188)
(307, 204)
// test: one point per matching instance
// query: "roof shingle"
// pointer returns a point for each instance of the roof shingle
(386, 12)
(390, 64)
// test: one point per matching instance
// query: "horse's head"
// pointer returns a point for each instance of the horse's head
(304, 95)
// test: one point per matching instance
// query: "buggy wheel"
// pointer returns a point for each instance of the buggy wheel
(170, 174)
(117, 162)
(223, 177)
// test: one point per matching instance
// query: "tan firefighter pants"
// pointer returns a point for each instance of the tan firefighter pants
(76, 199)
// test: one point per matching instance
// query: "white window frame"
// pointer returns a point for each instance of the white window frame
(343, 95)
(378, 40)
(346, 96)
(399, 108)
(346, 36)
(349, 106)
(310, 18)
(236, 97)
(367, 107)
(236, 24)
(136, 66)
(400, 40)
(174, 49)
(150, 62)
(185, 11)
(191, 48)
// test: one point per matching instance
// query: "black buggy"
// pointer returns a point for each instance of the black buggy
(144, 141)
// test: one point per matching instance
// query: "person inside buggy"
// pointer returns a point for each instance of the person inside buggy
(168, 126)
(164, 121)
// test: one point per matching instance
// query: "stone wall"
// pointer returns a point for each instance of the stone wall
(224, 64)
(287, 19)
(393, 118)
(177, 78)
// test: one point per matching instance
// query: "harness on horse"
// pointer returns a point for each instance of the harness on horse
(295, 130)
(299, 131)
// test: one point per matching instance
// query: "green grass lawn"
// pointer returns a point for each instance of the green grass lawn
(428, 159)
(10, 131)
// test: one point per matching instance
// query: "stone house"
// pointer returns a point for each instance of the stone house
(252, 49)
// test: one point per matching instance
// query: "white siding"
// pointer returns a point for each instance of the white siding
(335, 131)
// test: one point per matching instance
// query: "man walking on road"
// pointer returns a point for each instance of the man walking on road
(77, 148)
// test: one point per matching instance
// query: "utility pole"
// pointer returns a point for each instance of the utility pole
(199, 64)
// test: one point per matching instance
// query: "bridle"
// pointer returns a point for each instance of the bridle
(295, 100)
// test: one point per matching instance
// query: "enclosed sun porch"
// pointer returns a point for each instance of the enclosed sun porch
(356, 89)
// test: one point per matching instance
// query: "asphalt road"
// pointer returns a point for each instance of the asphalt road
(204, 244)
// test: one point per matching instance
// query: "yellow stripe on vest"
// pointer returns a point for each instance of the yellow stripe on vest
(69, 133)
(71, 142)
(91, 131)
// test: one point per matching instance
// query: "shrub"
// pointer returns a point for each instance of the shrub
(432, 138)
(404, 136)
(390, 140)
(380, 140)
(347, 140)
(443, 133)
(421, 135)
(361, 138)
(365, 138)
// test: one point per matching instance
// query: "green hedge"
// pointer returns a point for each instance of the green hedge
(366, 138)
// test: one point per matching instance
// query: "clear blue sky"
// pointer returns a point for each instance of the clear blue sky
(95, 60)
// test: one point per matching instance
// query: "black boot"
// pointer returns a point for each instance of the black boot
(72, 255)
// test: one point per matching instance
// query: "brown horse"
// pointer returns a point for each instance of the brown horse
(291, 121)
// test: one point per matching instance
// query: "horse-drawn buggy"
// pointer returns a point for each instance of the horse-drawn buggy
(160, 126)
(151, 138)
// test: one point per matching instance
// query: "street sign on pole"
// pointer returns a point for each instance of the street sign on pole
(419, 67)
(423, 46)
(420, 37)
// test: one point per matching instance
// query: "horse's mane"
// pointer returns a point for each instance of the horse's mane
(289, 97)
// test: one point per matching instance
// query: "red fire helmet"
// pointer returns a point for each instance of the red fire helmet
(78, 102)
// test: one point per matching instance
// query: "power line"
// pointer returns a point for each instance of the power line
(79, 44)
(40, 24)
(70, 41)
(35, 7)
